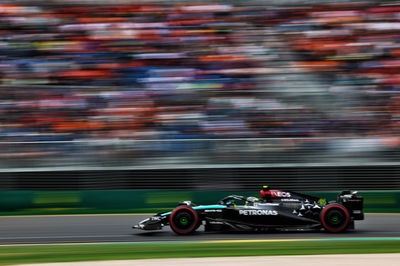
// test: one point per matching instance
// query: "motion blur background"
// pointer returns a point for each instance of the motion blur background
(208, 96)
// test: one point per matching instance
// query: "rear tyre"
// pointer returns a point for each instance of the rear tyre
(335, 218)
(184, 220)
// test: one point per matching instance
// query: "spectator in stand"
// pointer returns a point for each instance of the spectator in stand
(168, 71)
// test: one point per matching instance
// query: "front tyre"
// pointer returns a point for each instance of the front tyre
(335, 218)
(184, 220)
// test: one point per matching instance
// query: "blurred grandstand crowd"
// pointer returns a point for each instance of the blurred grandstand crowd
(196, 71)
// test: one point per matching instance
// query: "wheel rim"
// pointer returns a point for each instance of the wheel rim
(184, 220)
(335, 218)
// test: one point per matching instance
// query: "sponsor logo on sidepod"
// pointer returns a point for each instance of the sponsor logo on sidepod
(258, 212)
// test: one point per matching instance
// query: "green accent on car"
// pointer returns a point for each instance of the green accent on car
(184, 220)
(322, 201)
(334, 219)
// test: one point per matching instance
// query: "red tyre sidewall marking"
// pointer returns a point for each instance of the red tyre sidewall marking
(346, 212)
(194, 227)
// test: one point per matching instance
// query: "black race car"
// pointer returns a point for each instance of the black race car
(277, 210)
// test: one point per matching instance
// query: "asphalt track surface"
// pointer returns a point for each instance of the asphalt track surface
(118, 228)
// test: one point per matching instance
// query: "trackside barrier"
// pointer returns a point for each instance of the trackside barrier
(148, 201)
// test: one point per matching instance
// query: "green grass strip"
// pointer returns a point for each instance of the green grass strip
(38, 254)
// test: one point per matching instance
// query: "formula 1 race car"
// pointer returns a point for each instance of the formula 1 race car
(277, 210)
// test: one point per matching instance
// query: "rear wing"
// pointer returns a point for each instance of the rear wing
(353, 202)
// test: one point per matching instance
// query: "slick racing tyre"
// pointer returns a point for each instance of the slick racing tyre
(335, 218)
(184, 220)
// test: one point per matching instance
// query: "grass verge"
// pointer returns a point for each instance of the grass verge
(68, 253)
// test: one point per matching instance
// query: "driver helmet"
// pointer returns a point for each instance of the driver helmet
(265, 192)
